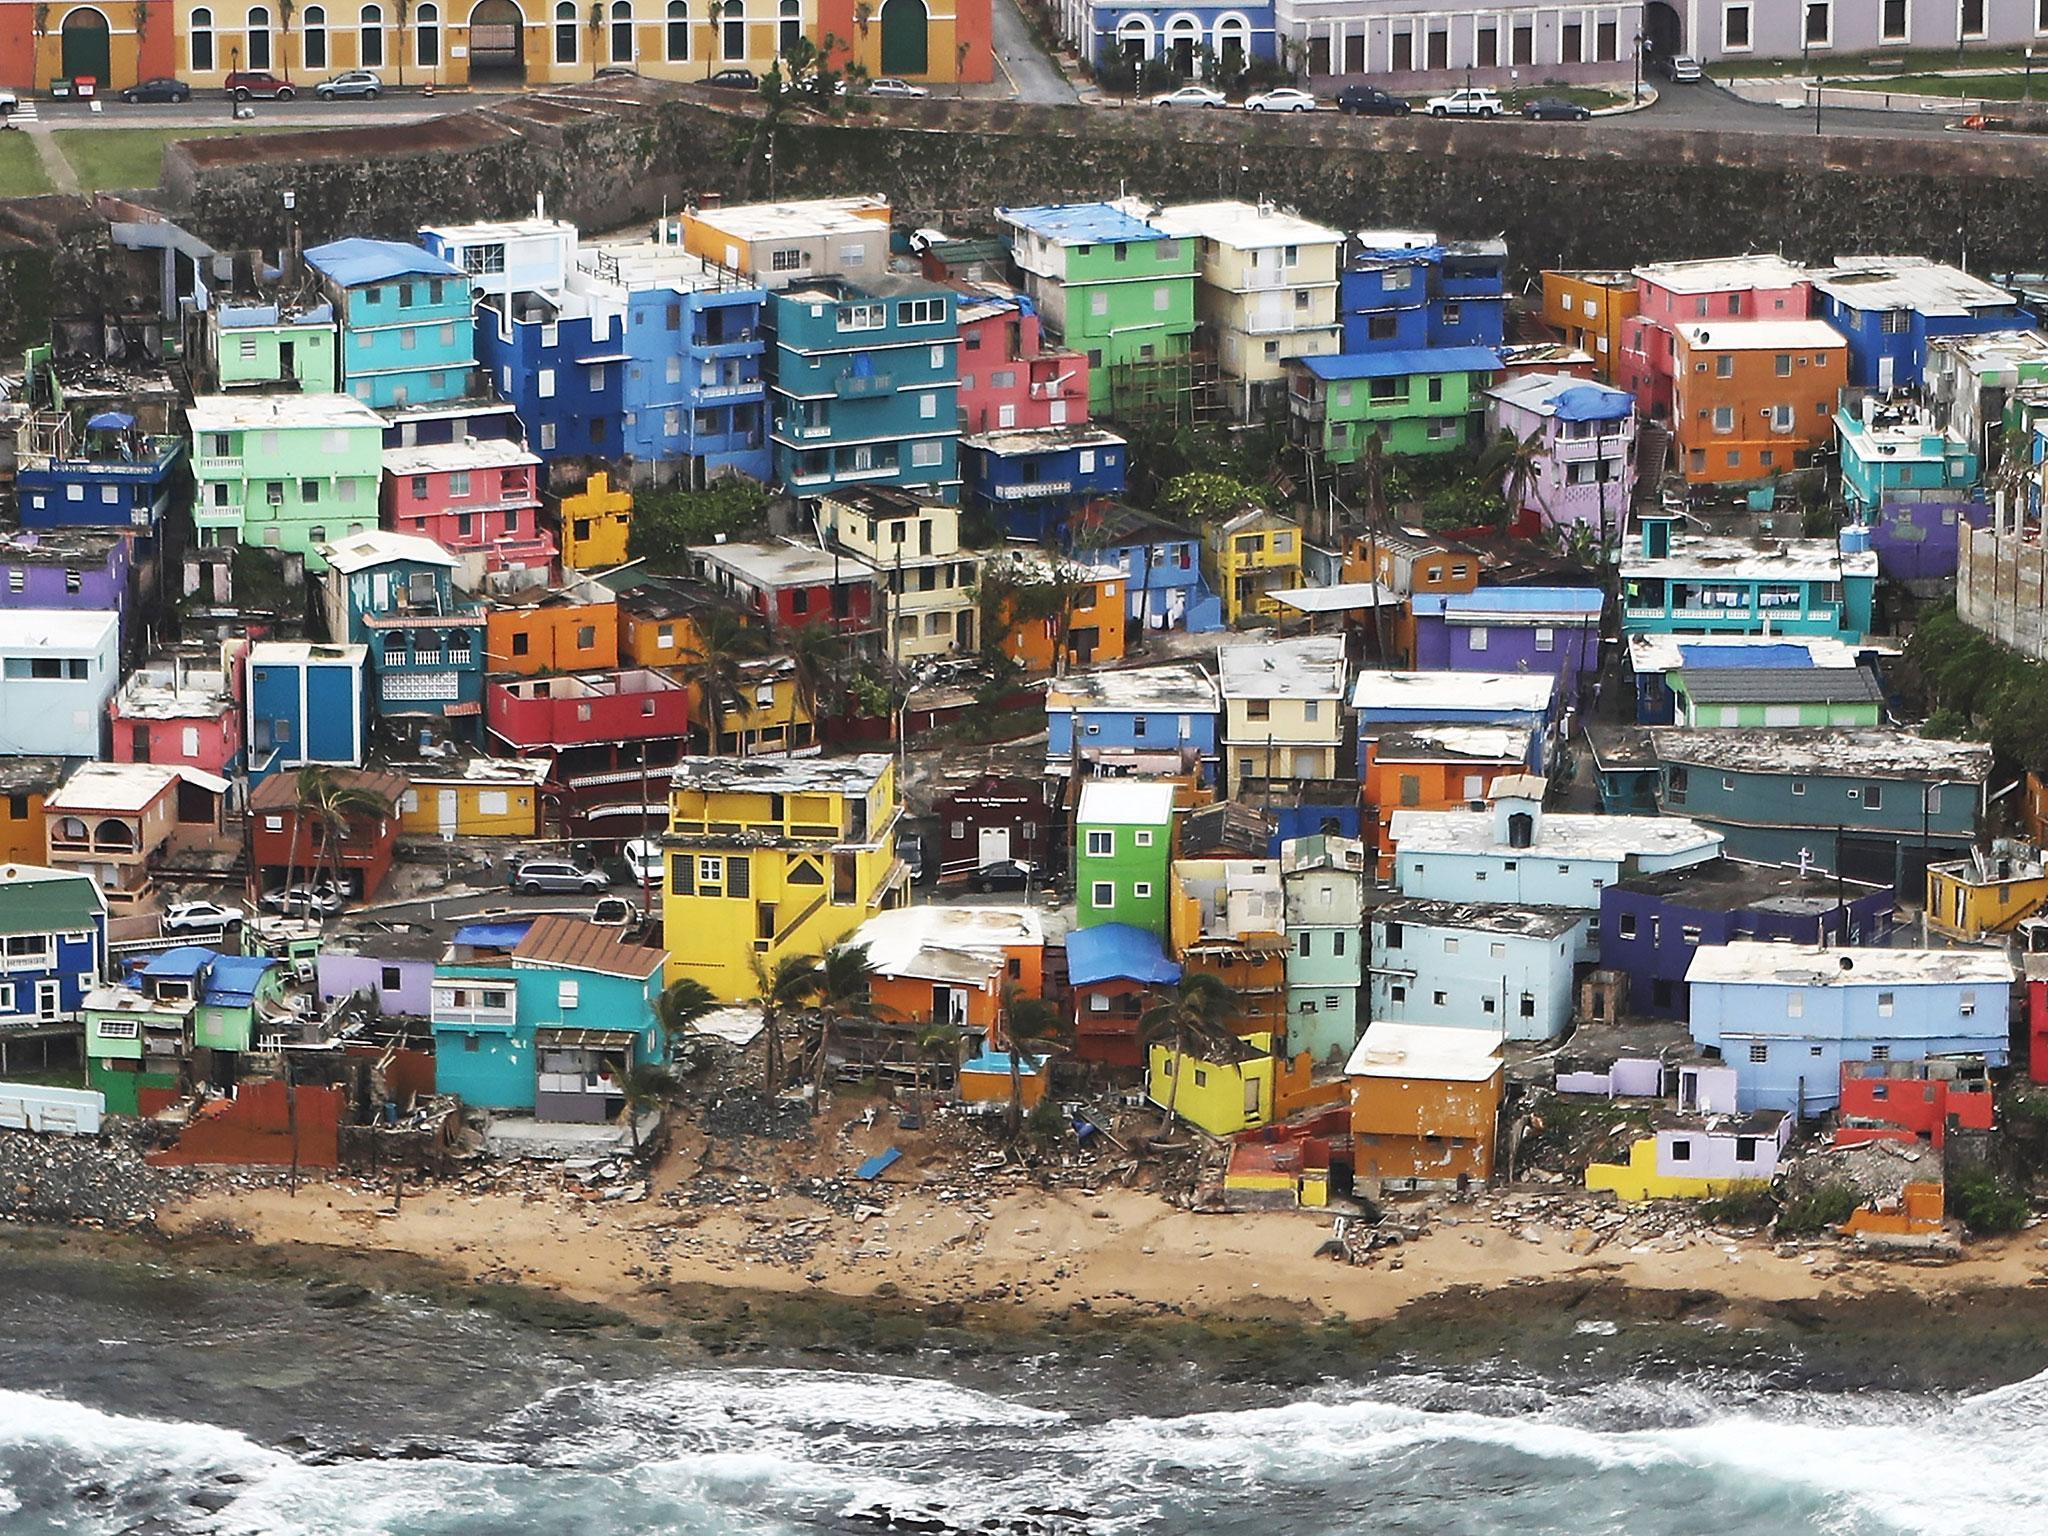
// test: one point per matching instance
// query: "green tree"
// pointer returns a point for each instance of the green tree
(1203, 496)
(1194, 1021)
(644, 1085)
(927, 1041)
(681, 1003)
(724, 642)
(785, 988)
(817, 655)
(845, 995)
(1510, 464)
(667, 523)
(337, 807)
(1027, 1021)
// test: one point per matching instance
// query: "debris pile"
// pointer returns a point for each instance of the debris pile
(85, 1181)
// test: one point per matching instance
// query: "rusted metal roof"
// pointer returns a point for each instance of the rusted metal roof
(582, 946)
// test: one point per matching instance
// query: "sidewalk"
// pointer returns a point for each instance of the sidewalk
(1794, 92)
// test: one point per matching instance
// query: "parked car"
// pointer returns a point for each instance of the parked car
(162, 89)
(611, 71)
(1470, 101)
(354, 82)
(321, 898)
(9, 103)
(1556, 109)
(1192, 96)
(910, 849)
(200, 916)
(1680, 68)
(644, 859)
(1007, 875)
(903, 90)
(258, 85)
(1371, 101)
(1283, 98)
(734, 80)
(615, 912)
(561, 876)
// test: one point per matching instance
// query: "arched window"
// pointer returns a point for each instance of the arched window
(200, 28)
(258, 54)
(313, 37)
(370, 50)
(428, 31)
(678, 29)
(733, 32)
(565, 33)
(1134, 39)
(622, 31)
(1231, 35)
(790, 29)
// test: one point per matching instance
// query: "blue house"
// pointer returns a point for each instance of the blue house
(1505, 969)
(1401, 701)
(1889, 307)
(1511, 629)
(408, 334)
(1030, 481)
(560, 361)
(1156, 720)
(109, 476)
(1651, 925)
(54, 925)
(1900, 453)
(1202, 38)
(547, 1016)
(1786, 1018)
(1405, 289)
(394, 594)
(307, 704)
(1709, 584)
(1162, 565)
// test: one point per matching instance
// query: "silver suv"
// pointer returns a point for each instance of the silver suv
(557, 876)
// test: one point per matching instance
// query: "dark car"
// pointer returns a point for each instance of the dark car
(735, 80)
(1556, 109)
(157, 90)
(1006, 875)
(1371, 101)
(258, 85)
(910, 849)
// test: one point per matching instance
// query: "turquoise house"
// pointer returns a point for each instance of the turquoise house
(1899, 453)
(545, 1016)
(1699, 584)
(408, 331)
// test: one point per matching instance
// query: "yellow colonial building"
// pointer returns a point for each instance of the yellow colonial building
(927, 580)
(769, 857)
(1253, 555)
(597, 522)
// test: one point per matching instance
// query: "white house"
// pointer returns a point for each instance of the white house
(59, 667)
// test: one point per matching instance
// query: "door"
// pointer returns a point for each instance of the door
(287, 360)
(1688, 1090)
(1887, 371)
(445, 813)
(49, 1000)
(949, 1006)
(87, 46)
(1252, 1114)
(1404, 52)
(905, 45)
(993, 846)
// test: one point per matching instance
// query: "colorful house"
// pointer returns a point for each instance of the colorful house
(1698, 1157)
(475, 797)
(1899, 452)
(74, 571)
(1283, 709)
(558, 357)
(538, 629)
(1672, 293)
(394, 594)
(283, 472)
(288, 843)
(1323, 880)
(1158, 720)
(1408, 288)
(237, 994)
(1704, 584)
(1118, 32)
(1117, 972)
(1889, 307)
(478, 498)
(1123, 849)
(1582, 472)
(1084, 622)
(407, 333)
(949, 965)
(788, 585)
(1227, 918)
(1162, 565)
(1506, 970)
(138, 1038)
(1974, 383)
(1435, 768)
(1404, 702)
(992, 818)
(1912, 1101)
(1256, 553)
(113, 821)
(596, 523)
(271, 340)
(1035, 482)
(103, 472)
(25, 784)
(912, 550)
(1011, 379)
(1988, 892)
(53, 923)
(1415, 401)
(307, 704)
(1590, 310)
(182, 707)
(774, 857)
(1425, 1104)
(1829, 681)
(1512, 629)
(790, 244)
(1753, 399)
(1223, 1095)
(629, 707)
(61, 669)
(391, 965)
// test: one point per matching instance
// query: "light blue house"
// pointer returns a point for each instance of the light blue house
(1899, 453)
(1889, 307)
(1152, 720)
(307, 704)
(395, 594)
(1786, 1018)
(408, 336)
(59, 667)
(546, 1016)
(1697, 584)
(1505, 969)
(1162, 565)
(1398, 702)
(1322, 882)
(53, 924)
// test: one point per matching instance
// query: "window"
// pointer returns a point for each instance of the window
(200, 27)
(1101, 844)
(1783, 418)
(566, 993)
(1102, 894)
(732, 32)
(259, 37)
(1759, 1053)
(789, 28)
(1820, 23)
(1142, 890)
(1142, 838)
(1626, 927)
(544, 383)
(1895, 21)
(1681, 1151)
(622, 31)
(1783, 365)
(1735, 29)
(1795, 1005)
(1968, 1006)
(565, 33)
(1873, 797)
(1337, 943)
(427, 29)
(1887, 1002)
(678, 38)
(1393, 936)
(1450, 946)
(1546, 639)
(1724, 418)
(1476, 637)
(922, 312)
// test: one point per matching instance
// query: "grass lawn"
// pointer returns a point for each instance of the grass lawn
(21, 173)
(1823, 62)
(112, 159)
(1579, 95)
(1973, 87)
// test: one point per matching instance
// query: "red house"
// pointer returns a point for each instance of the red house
(992, 819)
(634, 705)
(183, 708)
(1911, 1100)
(789, 584)
(475, 498)
(1116, 972)
(281, 852)
(1008, 376)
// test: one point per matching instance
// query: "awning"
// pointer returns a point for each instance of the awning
(585, 1039)
(110, 421)
(464, 707)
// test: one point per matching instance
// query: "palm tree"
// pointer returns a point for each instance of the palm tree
(785, 987)
(1197, 1020)
(928, 1040)
(681, 1003)
(642, 1085)
(307, 792)
(338, 806)
(723, 642)
(1514, 461)
(816, 654)
(1026, 1020)
(844, 994)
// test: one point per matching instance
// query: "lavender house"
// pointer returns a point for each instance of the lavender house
(1531, 630)
(391, 964)
(1651, 925)
(65, 570)
(1917, 540)
(1583, 469)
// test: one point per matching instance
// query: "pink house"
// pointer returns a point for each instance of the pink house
(182, 709)
(1007, 376)
(1674, 293)
(479, 499)
(1584, 467)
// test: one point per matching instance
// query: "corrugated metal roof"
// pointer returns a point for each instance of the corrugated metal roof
(1081, 223)
(1781, 685)
(1387, 365)
(576, 945)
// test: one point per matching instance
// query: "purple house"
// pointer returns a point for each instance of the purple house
(393, 965)
(1917, 540)
(1533, 630)
(1651, 924)
(1583, 468)
(65, 570)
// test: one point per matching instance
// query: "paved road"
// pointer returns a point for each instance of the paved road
(1018, 57)
(1706, 105)
(211, 111)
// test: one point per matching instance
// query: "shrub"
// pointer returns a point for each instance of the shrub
(1986, 1203)
(1741, 1208)
(1818, 1210)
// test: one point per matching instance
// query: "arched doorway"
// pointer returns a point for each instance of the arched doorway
(1183, 41)
(905, 40)
(497, 50)
(88, 46)
(1233, 35)
(1663, 30)
(1134, 40)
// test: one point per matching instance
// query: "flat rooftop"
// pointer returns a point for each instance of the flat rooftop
(1803, 966)
(1868, 752)
(782, 563)
(1909, 282)
(1720, 274)
(1081, 224)
(1165, 690)
(1044, 439)
(1451, 743)
(255, 413)
(1736, 885)
(464, 454)
(1559, 834)
(1483, 917)
(1456, 693)
(1309, 668)
(1126, 802)
(813, 216)
(1728, 557)
(1670, 653)
(783, 776)
(1247, 226)
(1426, 1051)
(1761, 335)
(26, 631)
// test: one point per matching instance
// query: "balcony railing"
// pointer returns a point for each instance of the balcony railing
(1034, 488)
(857, 385)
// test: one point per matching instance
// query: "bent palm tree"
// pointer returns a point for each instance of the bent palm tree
(1026, 1021)
(714, 670)
(816, 654)
(785, 987)
(1196, 1019)
(681, 1003)
(643, 1085)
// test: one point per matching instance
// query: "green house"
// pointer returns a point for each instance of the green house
(284, 472)
(1123, 846)
(1791, 696)
(237, 994)
(135, 1042)
(256, 344)
(1419, 400)
(1110, 285)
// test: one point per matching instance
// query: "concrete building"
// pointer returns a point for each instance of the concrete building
(1899, 453)
(1424, 1105)
(60, 669)
(1753, 399)
(779, 245)
(1123, 846)
(1672, 293)
(1706, 584)
(1415, 401)
(1583, 472)
(1323, 880)
(1888, 308)
(1155, 721)
(307, 704)
(1524, 630)
(1256, 554)
(1503, 969)
(924, 578)
(1589, 309)
(1283, 710)
(407, 337)
(1162, 564)
(1227, 918)
(284, 472)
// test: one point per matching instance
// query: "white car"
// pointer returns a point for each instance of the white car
(1281, 99)
(200, 916)
(317, 898)
(902, 89)
(644, 858)
(1192, 96)
(1472, 101)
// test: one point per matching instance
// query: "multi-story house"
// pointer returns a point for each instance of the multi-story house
(1888, 308)
(1990, 892)
(1267, 292)
(477, 498)
(537, 630)
(1872, 805)
(507, 256)
(926, 581)
(1117, 288)
(265, 342)
(1404, 562)
(26, 783)
(775, 857)
(950, 965)
(1410, 701)
(787, 585)
(113, 821)
(1227, 918)
(1033, 482)
(307, 704)
(1434, 768)
(596, 524)
(557, 358)
(630, 709)
(53, 944)
(1123, 850)
(991, 818)
(1674, 293)
(782, 245)
(102, 474)
(1079, 621)
(394, 594)
(1162, 565)
(138, 1039)
(59, 668)
(1753, 398)
(284, 472)
(1704, 584)
(1973, 382)
(1899, 452)
(1407, 289)
(1589, 309)
(1424, 400)
(1156, 721)
(1499, 967)
(1112, 34)
(1256, 553)
(1425, 1103)
(287, 842)
(1118, 973)
(407, 332)
(1582, 460)
(1010, 378)
(1512, 629)
(866, 386)
(1824, 681)
(1323, 880)
(1283, 710)
(1787, 1018)
(75, 572)
(1909, 1101)
(183, 707)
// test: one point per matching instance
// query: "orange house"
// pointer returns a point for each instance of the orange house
(950, 964)
(551, 632)
(1433, 768)
(1754, 398)
(24, 782)
(1095, 629)
(1425, 1102)
(658, 619)
(1405, 561)
(1588, 309)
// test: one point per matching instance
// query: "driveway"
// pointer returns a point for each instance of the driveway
(1033, 76)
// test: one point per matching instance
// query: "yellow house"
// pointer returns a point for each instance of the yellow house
(771, 719)
(1694, 1157)
(596, 524)
(926, 579)
(1267, 291)
(1986, 893)
(770, 857)
(1225, 1097)
(1254, 555)
(777, 244)
(483, 797)
(1283, 709)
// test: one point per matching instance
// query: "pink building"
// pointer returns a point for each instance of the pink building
(183, 709)
(1007, 376)
(479, 499)
(1675, 293)
(1584, 469)
(634, 705)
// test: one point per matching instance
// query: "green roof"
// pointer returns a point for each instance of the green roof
(38, 900)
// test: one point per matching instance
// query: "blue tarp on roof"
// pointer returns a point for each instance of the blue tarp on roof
(187, 960)
(1117, 952)
(492, 935)
(1081, 224)
(1592, 402)
(356, 260)
(1748, 657)
(1387, 365)
(233, 981)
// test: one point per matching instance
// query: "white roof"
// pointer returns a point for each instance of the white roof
(641, 264)
(1907, 282)
(1706, 556)
(1761, 335)
(1126, 802)
(1559, 835)
(1173, 689)
(1248, 226)
(783, 563)
(946, 943)
(1454, 690)
(1426, 1051)
(1720, 273)
(125, 786)
(501, 229)
(1798, 965)
(23, 630)
(1666, 653)
(380, 546)
(1309, 668)
(240, 413)
(1499, 742)
(470, 453)
(814, 216)
(1338, 598)
(300, 652)
(477, 770)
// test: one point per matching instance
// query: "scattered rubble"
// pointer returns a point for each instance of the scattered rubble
(90, 1182)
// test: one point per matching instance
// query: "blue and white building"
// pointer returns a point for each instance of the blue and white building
(1401, 701)
(1889, 307)
(1405, 289)
(53, 930)
(1159, 721)
(559, 359)
(58, 670)
(1506, 969)
(1029, 481)
(307, 704)
(1182, 37)
(407, 333)
(1162, 564)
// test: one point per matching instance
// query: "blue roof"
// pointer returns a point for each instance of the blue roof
(1081, 223)
(353, 261)
(187, 960)
(1117, 952)
(492, 935)
(1592, 402)
(1747, 657)
(233, 981)
(1537, 602)
(1387, 365)
(999, 1061)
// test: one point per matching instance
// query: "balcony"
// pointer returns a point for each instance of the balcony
(464, 1008)
(626, 706)
(857, 386)
(754, 390)
(1033, 488)
(805, 431)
